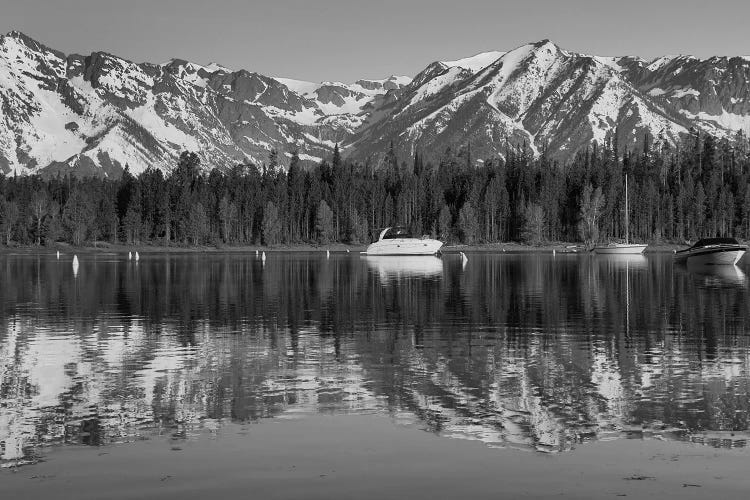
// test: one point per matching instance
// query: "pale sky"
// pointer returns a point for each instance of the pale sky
(346, 40)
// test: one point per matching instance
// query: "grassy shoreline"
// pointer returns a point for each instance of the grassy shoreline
(514, 247)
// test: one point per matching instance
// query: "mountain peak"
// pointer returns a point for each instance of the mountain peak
(546, 44)
(31, 43)
(213, 67)
(18, 34)
(476, 62)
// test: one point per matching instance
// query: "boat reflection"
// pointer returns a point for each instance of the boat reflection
(717, 276)
(394, 266)
(630, 261)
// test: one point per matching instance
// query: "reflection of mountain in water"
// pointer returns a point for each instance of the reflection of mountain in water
(529, 351)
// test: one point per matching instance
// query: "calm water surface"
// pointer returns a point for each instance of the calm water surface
(530, 351)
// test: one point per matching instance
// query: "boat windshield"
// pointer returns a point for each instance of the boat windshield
(716, 241)
(397, 232)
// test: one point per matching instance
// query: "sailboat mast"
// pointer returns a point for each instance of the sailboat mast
(626, 210)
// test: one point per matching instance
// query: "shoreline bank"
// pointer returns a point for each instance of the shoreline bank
(507, 247)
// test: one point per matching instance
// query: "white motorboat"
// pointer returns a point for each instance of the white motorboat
(620, 249)
(712, 251)
(398, 241)
(626, 248)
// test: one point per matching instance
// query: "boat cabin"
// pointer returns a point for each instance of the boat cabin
(704, 242)
(392, 233)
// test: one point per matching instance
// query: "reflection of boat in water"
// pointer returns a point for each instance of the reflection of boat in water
(398, 241)
(712, 251)
(715, 276)
(393, 266)
(633, 261)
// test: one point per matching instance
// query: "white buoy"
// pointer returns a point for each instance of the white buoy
(464, 259)
(58, 255)
(347, 250)
(328, 254)
(553, 252)
(256, 253)
(130, 255)
(75, 265)
(137, 257)
(263, 257)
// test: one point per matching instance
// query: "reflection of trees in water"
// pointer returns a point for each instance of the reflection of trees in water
(522, 350)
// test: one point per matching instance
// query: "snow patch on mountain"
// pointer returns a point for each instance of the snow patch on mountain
(213, 67)
(337, 98)
(605, 109)
(438, 84)
(522, 90)
(119, 147)
(48, 138)
(147, 117)
(725, 120)
(306, 116)
(476, 62)
(301, 87)
(305, 157)
(680, 93)
(613, 63)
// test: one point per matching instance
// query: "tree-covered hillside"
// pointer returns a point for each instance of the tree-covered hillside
(700, 188)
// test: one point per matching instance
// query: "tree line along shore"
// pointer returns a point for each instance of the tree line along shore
(698, 188)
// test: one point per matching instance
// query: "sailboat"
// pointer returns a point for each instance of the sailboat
(622, 248)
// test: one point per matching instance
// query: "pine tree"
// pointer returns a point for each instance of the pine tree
(591, 205)
(533, 224)
(9, 215)
(227, 218)
(198, 225)
(39, 206)
(271, 225)
(77, 216)
(324, 223)
(468, 224)
(445, 223)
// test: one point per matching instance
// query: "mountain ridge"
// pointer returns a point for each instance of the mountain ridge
(97, 114)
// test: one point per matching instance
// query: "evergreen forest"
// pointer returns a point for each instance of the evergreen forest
(698, 188)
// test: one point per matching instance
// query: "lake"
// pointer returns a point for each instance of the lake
(533, 351)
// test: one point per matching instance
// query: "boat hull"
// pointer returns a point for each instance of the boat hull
(404, 246)
(713, 257)
(620, 249)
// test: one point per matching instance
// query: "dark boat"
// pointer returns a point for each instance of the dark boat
(712, 251)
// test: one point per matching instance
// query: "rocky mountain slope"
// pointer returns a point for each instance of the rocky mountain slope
(97, 114)
(554, 100)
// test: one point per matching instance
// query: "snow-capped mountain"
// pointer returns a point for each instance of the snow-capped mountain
(96, 114)
(558, 101)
